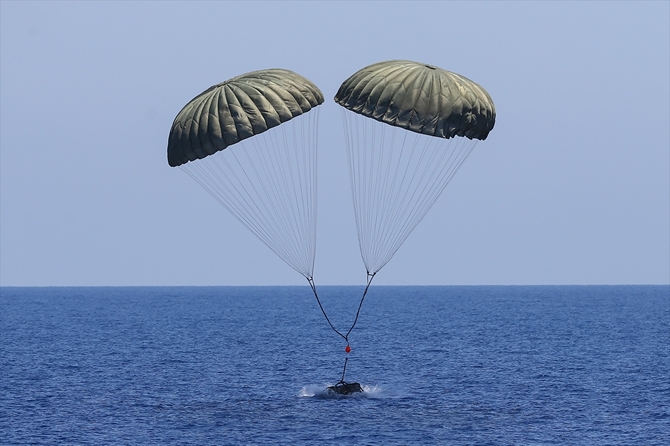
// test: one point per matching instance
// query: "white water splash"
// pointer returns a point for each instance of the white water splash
(321, 391)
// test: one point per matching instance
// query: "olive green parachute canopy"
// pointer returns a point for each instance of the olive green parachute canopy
(237, 109)
(421, 98)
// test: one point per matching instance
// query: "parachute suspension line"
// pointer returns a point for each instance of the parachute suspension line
(395, 180)
(268, 182)
(353, 132)
(440, 164)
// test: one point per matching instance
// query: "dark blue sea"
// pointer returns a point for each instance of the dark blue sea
(480, 365)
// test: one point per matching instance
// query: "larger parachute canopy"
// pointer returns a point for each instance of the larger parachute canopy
(237, 109)
(421, 98)
(409, 127)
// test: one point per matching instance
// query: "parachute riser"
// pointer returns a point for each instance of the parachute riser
(344, 370)
(370, 276)
(365, 292)
(313, 287)
(310, 280)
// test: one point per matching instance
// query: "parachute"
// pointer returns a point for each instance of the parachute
(412, 127)
(268, 179)
(251, 143)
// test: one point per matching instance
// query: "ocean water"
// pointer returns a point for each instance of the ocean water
(579, 365)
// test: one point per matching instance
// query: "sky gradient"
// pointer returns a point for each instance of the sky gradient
(572, 186)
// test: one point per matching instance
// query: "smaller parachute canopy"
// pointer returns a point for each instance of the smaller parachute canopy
(420, 98)
(237, 109)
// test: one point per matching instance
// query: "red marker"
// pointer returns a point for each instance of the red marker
(348, 349)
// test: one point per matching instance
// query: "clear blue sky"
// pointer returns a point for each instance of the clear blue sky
(571, 187)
